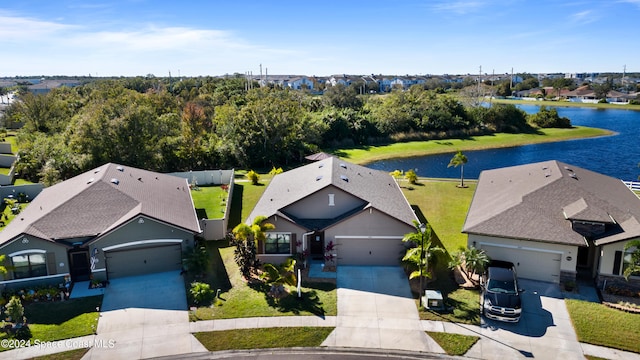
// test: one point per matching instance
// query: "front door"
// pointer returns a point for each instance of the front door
(80, 267)
(316, 245)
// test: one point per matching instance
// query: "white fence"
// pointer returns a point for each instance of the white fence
(212, 229)
(633, 186)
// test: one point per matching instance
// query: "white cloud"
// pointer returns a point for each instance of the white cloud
(584, 17)
(22, 28)
(458, 7)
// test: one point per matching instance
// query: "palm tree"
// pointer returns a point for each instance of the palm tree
(459, 159)
(634, 265)
(471, 261)
(423, 253)
(246, 238)
(278, 276)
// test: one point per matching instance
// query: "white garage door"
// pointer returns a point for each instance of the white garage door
(530, 264)
(142, 261)
(369, 251)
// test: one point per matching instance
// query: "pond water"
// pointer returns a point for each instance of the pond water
(617, 156)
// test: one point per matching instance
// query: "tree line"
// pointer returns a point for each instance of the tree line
(203, 123)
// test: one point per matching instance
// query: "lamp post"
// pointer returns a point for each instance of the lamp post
(423, 228)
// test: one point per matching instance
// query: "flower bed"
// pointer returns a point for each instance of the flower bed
(621, 298)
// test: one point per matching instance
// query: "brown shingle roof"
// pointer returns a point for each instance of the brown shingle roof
(375, 187)
(538, 201)
(101, 199)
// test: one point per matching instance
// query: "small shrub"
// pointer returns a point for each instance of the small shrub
(275, 171)
(254, 177)
(201, 293)
(15, 309)
(411, 176)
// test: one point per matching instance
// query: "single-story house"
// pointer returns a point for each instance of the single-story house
(360, 210)
(112, 221)
(555, 221)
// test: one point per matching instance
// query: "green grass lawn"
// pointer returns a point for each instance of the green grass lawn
(465, 305)
(419, 148)
(6, 215)
(4, 171)
(210, 202)
(240, 299)
(12, 139)
(445, 207)
(601, 325)
(50, 321)
(245, 197)
(566, 104)
(22, 182)
(454, 344)
(76, 354)
(263, 338)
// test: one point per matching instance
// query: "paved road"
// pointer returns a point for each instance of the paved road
(312, 354)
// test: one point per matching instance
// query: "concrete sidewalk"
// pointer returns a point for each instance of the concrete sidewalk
(176, 339)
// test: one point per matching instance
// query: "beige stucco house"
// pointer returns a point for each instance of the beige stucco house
(360, 210)
(109, 222)
(555, 221)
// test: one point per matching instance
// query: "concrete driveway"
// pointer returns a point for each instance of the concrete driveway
(544, 331)
(142, 317)
(376, 311)
(155, 291)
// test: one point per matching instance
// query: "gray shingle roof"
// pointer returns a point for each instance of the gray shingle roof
(102, 199)
(375, 187)
(537, 201)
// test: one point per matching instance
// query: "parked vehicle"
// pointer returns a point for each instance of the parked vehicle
(500, 293)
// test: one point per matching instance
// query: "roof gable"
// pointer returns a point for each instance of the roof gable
(542, 201)
(101, 199)
(376, 188)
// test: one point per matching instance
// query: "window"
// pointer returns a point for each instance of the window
(332, 201)
(29, 265)
(277, 243)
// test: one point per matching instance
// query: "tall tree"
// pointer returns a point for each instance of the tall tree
(601, 90)
(459, 159)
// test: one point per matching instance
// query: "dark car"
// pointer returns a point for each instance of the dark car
(500, 293)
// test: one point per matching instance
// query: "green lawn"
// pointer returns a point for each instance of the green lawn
(465, 304)
(601, 325)
(6, 215)
(50, 321)
(445, 206)
(566, 104)
(76, 354)
(245, 197)
(419, 148)
(453, 344)
(263, 338)
(210, 202)
(240, 299)
(4, 171)
(22, 182)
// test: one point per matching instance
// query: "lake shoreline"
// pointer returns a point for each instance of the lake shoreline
(370, 154)
(567, 104)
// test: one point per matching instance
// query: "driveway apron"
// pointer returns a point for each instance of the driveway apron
(544, 331)
(142, 317)
(376, 310)
(154, 291)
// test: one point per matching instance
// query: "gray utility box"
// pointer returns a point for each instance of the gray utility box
(432, 300)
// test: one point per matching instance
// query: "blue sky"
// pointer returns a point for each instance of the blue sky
(192, 38)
